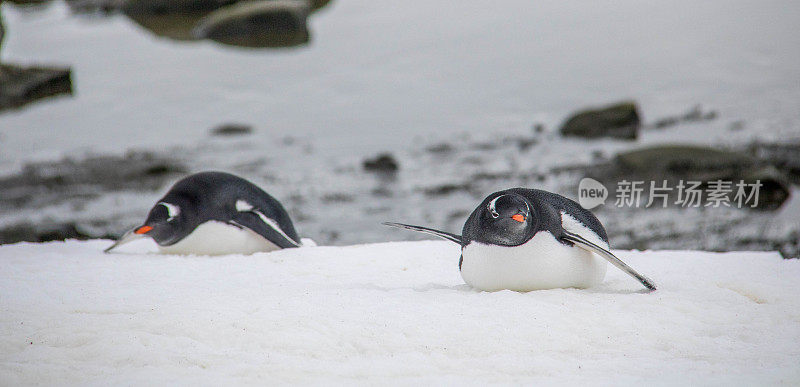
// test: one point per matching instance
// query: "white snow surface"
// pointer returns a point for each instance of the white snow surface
(388, 313)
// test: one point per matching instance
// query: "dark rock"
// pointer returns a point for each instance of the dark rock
(694, 115)
(27, 232)
(232, 130)
(695, 163)
(317, 4)
(616, 121)
(101, 7)
(172, 26)
(23, 85)
(272, 23)
(167, 7)
(384, 163)
(48, 183)
(29, 4)
(174, 19)
(278, 23)
(784, 156)
(25, 2)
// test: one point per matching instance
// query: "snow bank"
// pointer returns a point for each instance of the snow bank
(387, 313)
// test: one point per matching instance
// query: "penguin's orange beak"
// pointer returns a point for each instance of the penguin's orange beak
(143, 230)
(518, 217)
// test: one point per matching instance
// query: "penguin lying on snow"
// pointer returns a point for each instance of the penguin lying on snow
(214, 213)
(528, 239)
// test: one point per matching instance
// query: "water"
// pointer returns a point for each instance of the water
(395, 76)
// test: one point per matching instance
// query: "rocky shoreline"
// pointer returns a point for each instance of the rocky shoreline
(76, 183)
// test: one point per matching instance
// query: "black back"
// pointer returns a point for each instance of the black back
(207, 196)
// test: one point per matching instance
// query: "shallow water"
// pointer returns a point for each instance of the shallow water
(386, 76)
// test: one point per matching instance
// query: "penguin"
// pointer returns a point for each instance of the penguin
(527, 239)
(215, 213)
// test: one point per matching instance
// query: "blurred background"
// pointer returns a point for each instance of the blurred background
(354, 112)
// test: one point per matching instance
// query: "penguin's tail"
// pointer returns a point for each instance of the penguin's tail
(441, 234)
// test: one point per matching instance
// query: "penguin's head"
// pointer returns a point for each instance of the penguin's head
(167, 223)
(505, 219)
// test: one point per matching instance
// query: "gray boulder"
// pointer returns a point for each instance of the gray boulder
(174, 19)
(167, 7)
(23, 85)
(383, 163)
(257, 24)
(783, 155)
(620, 121)
(696, 163)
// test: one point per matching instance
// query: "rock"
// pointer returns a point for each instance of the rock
(23, 85)
(699, 162)
(47, 183)
(168, 7)
(26, 3)
(620, 120)
(384, 163)
(171, 26)
(27, 232)
(695, 163)
(317, 4)
(784, 156)
(174, 19)
(103, 7)
(279, 23)
(232, 130)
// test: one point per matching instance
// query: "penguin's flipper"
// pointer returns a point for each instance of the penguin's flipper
(129, 236)
(585, 244)
(441, 234)
(264, 226)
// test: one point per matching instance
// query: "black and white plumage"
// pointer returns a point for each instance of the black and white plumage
(215, 213)
(528, 239)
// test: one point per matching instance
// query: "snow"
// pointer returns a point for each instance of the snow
(395, 313)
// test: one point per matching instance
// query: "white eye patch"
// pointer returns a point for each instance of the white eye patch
(243, 206)
(493, 210)
(491, 207)
(172, 210)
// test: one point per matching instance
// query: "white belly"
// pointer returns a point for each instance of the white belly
(541, 263)
(217, 238)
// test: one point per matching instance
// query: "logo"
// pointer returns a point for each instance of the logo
(591, 193)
